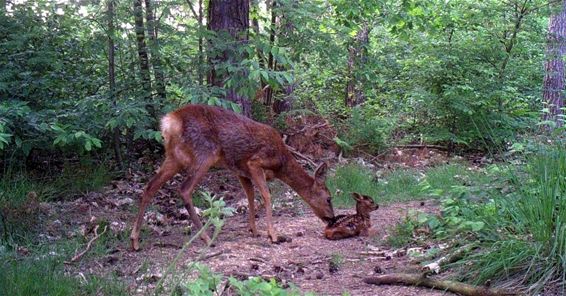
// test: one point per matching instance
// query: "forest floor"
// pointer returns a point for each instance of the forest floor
(304, 261)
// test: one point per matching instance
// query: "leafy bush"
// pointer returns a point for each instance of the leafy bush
(366, 131)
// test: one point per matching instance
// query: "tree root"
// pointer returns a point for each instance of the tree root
(422, 281)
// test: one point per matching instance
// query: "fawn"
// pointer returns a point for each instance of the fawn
(198, 137)
(344, 226)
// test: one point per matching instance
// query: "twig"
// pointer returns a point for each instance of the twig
(309, 127)
(452, 286)
(409, 146)
(88, 245)
(206, 257)
(301, 156)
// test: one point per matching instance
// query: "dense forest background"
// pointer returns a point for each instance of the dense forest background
(88, 77)
(84, 83)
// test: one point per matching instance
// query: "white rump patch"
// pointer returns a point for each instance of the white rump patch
(170, 126)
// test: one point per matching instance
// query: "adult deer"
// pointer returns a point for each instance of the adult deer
(198, 137)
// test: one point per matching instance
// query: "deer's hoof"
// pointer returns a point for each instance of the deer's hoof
(253, 232)
(135, 244)
(279, 239)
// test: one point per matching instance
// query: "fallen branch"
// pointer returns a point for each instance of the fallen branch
(437, 265)
(444, 285)
(309, 127)
(206, 257)
(419, 146)
(88, 245)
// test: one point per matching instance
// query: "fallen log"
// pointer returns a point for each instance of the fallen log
(406, 279)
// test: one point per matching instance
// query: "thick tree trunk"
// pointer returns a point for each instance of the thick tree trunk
(356, 59)
(154, 50)
(112, 79)
(143, 57)
(230, 18)
(553, 91)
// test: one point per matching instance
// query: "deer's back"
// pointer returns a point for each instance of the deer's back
(237, 138)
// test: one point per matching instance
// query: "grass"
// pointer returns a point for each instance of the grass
(400, 184)
(525, 242)
(42, 273)
(515, 214)
(21, 193)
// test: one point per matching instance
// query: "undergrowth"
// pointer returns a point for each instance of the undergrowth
(21, 194)
(513, 216)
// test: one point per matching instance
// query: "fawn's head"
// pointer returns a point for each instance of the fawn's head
(319, 198)
(364, 204)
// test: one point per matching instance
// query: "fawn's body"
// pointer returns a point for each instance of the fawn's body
(345, 226)
(198, 137)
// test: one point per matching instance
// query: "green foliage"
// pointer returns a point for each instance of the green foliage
(402, 234)
(43, 274)
(258, 286)
(365, 131)
(351, 178)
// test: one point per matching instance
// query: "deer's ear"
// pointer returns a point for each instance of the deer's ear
(357, 196)
(320, 172)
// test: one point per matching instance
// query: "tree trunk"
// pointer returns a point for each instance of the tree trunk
(154, 50)
(270, 60)
(112, 79)
(143, 58)
(356, 60)
(553, 90)
(229, 18)
(260, 55)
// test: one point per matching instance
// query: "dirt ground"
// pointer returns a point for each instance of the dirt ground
(303, 262)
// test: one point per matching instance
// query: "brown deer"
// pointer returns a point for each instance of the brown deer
(198, 137)
(344, 226)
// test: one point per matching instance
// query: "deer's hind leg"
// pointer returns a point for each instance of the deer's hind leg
(197, 170)
(168, 169)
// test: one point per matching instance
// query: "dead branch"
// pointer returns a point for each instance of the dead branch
(309, 127)
(453, 257)
(444, 285)
(206, 257)
(88, 245)
(418, 146)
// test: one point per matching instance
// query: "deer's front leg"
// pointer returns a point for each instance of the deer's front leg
(249, 190)
(258, 177)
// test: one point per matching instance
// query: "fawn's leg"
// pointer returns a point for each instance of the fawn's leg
(249, 190)
(187, 189)
(167, 170)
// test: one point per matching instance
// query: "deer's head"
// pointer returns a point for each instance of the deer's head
(319, 197)
(364, 204)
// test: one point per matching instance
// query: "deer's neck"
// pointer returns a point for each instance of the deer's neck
(295, 176)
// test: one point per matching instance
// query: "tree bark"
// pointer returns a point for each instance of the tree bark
(154, 50)
(270, 60)
(143, 58)
(112, 79)
(229, 19)
(356, 59)
(553, 89)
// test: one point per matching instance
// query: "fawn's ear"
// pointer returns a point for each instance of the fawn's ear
(357, 196)
(367, 197)
(320, 172)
